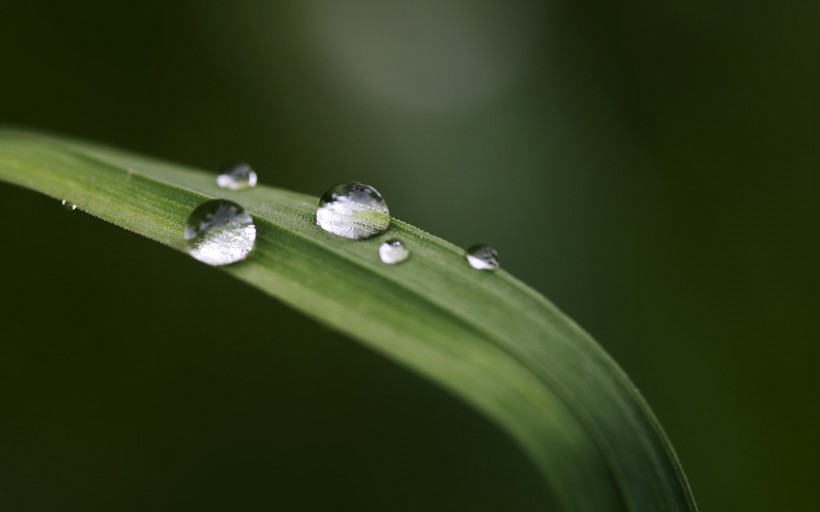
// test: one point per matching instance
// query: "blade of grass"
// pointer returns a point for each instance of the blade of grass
(485, 337)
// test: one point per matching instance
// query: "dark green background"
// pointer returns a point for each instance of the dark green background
(652, 167)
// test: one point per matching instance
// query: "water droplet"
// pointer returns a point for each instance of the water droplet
(482, 257)
(68, 206)
(353, 210)
(220, 232)
(393, 251)
(236, 177)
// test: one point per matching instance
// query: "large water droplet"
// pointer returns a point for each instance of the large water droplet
(220, 232)
(68, 206)
(353, 210)
(482, 257)
(393, 251)
(236, 177)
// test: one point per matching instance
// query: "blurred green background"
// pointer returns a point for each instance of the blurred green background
(650, 167)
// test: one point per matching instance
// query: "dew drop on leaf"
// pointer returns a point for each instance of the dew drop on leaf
(68, 205)
(353, 210)
(482, 257)
(220, 232)
(393, 251)
(236, 177)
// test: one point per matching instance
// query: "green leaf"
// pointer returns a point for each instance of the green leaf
(484, 336)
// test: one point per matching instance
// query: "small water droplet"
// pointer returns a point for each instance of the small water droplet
(353, 210)
(236, 177)
(393, 251)
(220, 232)
(68, 206)
(482, 257)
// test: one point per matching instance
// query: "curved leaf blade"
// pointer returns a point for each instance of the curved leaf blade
(486, 337)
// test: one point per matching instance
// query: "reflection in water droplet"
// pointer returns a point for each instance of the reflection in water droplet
(482, 257)
(236, 177)
(68, 206)
(393, 251)
(353, 210)
(220, 232)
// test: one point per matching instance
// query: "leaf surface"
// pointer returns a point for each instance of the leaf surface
(483, 336)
